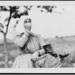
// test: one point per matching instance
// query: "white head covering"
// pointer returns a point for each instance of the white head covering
(20, 26)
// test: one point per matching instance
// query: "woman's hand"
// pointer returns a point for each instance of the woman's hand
(35, 56)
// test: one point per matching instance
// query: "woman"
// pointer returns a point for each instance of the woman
(32, 47)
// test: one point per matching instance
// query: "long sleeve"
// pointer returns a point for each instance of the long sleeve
(41, 43)
(20, 38)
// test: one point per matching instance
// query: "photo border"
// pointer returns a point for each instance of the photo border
(8, 72)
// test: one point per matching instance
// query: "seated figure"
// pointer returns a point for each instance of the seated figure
(34, 51)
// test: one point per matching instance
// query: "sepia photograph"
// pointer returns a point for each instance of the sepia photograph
(37, 34)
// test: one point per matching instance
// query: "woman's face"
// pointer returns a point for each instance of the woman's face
(27, 25)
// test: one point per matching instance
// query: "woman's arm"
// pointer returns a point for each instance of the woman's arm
(42, 43)
(20, 38)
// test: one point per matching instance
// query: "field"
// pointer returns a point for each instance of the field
(61, 45)
(64, 45)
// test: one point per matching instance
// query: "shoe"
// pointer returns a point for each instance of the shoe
(48, 49)
(63, 56)
(53, 54)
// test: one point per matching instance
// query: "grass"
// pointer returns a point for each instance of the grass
(13, 52)
(60, 45)
(64, 45)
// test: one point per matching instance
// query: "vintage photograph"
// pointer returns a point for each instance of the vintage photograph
(37, 36)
